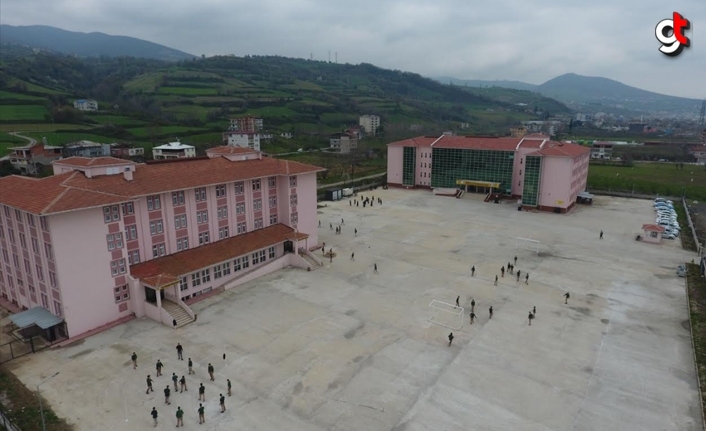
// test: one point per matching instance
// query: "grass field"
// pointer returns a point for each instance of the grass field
(651, 178)
(22, 112)
(19, 96)
(59, 138)
(163, 130)
(39, 127)
(118, 120)
(272, 111)
(186, 91)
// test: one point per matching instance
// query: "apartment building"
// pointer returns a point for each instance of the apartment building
(246, 124)
(601, 150)
(343, 142)
(242, 139)
(106, 238)
(173, 150)
(369, 123)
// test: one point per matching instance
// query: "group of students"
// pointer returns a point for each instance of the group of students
(180, 385)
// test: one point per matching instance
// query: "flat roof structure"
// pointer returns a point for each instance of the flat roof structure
(35, 316)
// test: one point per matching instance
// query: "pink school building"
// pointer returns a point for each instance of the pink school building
(105, 238)
(544, 174)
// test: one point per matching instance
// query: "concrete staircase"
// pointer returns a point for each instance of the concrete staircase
(314, 264)
(177, 312)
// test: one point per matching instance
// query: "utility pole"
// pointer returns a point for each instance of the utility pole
(41, 408)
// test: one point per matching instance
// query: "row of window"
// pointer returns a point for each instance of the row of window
(39, 270)
(30, 218)
(224, 269)
(44, 299)
(23, 242)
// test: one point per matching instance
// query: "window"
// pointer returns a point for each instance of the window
(2, 232)
(293, 181)
(223, 233)
(29, 286)
(203, 238)
(28, 267)
(43, 223)
(158, 250)
(272, 182)
(271, 252)
(183, 284)
(273, 201)
(30, 220)
(180, 221)
(121, 293)
(177, 198)
(11, 234)
(153, 203)
(240, 208)
(273, 219)
(258, 257)
(196, 279)
(5, 256)
(128, 208)
(109, 214)
(182, 244)
(257, 204)
(258, 223)
(117, 267)
(241, 228)
(23, 240)
(49, 255)
(45, 301)
(202, 217)
(156, 227)
(200, 194)
(115, 241)
(35, 245)
(221, 191)
(217, 272)
(222, 212)
(16, 260)
(57, 308)
(256, 185)
(133, 257)
(295, 218)
(520, 171)
(130, 232)
(226, 268)
(7, 211)
(52, 278)
(18, 215)
(237, 265)
(239, 188)
(293, 200)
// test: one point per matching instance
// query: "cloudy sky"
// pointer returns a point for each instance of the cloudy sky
(526, 40)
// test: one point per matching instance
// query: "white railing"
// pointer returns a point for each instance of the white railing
(313, 257)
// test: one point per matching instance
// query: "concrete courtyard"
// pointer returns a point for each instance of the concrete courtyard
(342, 348)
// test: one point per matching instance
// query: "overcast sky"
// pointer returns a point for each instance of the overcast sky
(525, 40)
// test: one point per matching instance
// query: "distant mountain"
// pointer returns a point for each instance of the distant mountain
(594, 94)
(87, 44)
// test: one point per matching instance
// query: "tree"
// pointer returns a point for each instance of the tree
(6, 169)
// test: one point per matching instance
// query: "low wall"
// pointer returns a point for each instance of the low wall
(153, 312)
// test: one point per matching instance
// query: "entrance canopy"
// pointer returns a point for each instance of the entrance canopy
(38, 316)
(478, 183)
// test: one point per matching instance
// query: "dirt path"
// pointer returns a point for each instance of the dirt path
(32, 141)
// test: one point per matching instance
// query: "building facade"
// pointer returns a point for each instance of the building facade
(602, 150)
(544, 174)
(85, 149)
(173, 150)
(105, 238)
(31, 159)
(126, 151)
(86, 105)
(242, 139)
(344, 143)
(246, 124)
(369, 123)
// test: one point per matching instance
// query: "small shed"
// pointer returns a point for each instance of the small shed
(334, 194)
(39, 321)
(653, 233)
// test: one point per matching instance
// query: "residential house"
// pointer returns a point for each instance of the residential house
(369, 123)
(86, 105)
(173, 150)
(85, 149)
(242, 139)
(343, 142)
(31, 159)
(123, 150)
(601, 150)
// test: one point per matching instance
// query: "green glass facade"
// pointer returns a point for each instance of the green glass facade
(451, 164)
(409, 161)
(533, 171)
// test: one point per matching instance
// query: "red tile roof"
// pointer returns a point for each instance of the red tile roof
(562, 149)
(421, 141)
(72, 190)
(185, 262)
(93, 161)
(551, 148)
(474, 143)
(653, 228)
(229, 149)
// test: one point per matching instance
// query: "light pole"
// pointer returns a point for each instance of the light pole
(41, 409)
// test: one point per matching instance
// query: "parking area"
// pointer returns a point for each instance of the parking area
(343, 348)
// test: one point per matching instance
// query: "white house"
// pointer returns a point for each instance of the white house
(86, 105)
(370, 123)
(173, 150)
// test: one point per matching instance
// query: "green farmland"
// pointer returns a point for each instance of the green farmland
(22, 112)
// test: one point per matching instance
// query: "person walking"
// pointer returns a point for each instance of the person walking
(223, 403)
(518, 275)
(159, 366)
(496, 281)
(210, 371)
(509, 268)
(167, 392)
(182, 383)
(515, 260)
(375, 268)
(202, 419)
(502, 272)
(191, 365)
(229, 386)
(180, 352)
(355, 231)
(457, 304)
(175, 379)
(530, 317)
(534, 310)
(149, 384)
(527, 278)
(154, 415)
(174, 323)
(566, 298)
(180, 417)
(473, 317)
(473, 271)
(473, 305)
(342, 222)
(202, 393)
(330, 225)
(353, 256)
(490, 311)
(601, 235)
(319, 223)
(451, 337)
(134, 360)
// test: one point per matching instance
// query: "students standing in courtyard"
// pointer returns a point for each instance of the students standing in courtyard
(191, 365)
(473, 317)
(154, 415)
(353, 256)
(175, 379)
(490, 311)
(534, 310)
(451, 337)
(202, 419)
(473, 271)
(210, 371)
(174, 323)
(355, 231)
(229, 386)
(375, 268)
(601, 236)
(182, 382)
(566, 298)
(515, 260)
(457, 304)
(527, 278)
(223, 403)
(518, 275)
(180, 352)
(319, 223)
(180, 417)
(134, 360)
(496, 281)
(473, 304)
(149, 384)
(342, 222)
(502, 272)
(159, 366)
(530, 317)
(202, 393)
(167, 392)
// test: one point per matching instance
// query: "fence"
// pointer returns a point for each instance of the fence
(17, 348)
(6, 424)
(692, 228)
